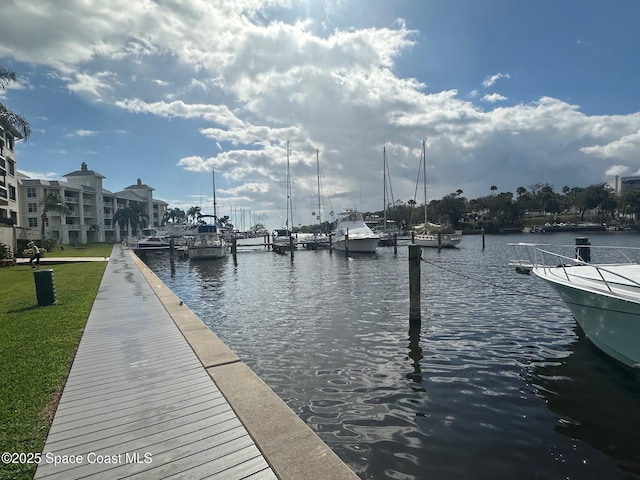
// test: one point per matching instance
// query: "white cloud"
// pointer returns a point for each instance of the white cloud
(493, 98)
(492, 79)
(622, 147)
(82, 133)
(619, 170)
(249, 82)
(95, 85)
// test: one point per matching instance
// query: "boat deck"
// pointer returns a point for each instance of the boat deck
(141, 400)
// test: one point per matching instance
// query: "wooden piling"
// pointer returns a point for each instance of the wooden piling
(346, 243)
(395, 243)
(414, 283)
(234, 249)
(291, 246)
(439, 241)
(483, 238)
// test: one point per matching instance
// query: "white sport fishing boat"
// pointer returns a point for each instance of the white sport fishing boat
(353, 235)
(603, 297)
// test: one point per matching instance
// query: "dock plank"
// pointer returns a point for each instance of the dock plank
(138, 395)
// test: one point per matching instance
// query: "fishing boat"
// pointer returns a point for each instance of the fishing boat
(207, 242)
(151, 240)
(353, 235)
(431, 234)
(604, 298)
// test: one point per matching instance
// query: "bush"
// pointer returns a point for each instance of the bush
(46, 245)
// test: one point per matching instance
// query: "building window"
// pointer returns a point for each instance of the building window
(12, 168)
(32, 207)
(12, 192)
(31, 192)
(10, 142)
(33, 222)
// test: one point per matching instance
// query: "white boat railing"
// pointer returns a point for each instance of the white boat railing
(546, 261)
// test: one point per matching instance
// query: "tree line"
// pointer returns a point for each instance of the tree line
(498, 211)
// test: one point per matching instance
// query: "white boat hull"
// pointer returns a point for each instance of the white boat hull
(357, 245)
(207, 252)
(431, 240)
(610, 320)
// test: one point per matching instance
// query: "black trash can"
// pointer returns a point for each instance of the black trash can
(45, 287)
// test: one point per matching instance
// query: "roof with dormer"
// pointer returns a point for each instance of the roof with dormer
(138, 186)
(84, 171)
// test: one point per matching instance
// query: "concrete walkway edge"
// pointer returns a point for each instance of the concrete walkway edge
(292, 449)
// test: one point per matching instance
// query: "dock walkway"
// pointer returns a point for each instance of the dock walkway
(153, 393)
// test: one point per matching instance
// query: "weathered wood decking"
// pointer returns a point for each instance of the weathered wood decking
(140, 401)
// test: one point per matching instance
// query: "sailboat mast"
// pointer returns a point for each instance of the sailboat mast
(318, 170)
(289, 204)
(424, 174)
(384, 187)
(215, 211)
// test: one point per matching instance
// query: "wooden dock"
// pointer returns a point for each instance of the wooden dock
(153, 393)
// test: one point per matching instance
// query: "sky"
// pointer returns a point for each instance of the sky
(506, 93)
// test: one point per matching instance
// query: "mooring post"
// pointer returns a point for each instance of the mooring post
(291, 246)
(583, 251)
(483, 238)
(439, 241)
(395, 243)
(413, 236)
(346, 243)
(234, 248)
(172, 246)
(330, 242)
(414, 283)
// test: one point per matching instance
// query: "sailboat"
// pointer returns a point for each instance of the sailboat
(207, 241)
(386, 236)
(281, 238)
(427, 237)
(317, 239)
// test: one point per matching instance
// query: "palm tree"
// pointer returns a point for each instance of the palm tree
(493, 189)
(7, 117)
(134, 216)
(194, 212)
(51, 203)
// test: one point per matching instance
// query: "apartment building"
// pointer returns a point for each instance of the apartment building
(91, 206)
(9, 204)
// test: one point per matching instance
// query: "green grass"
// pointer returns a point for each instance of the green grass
(36, 350)
(85, 250)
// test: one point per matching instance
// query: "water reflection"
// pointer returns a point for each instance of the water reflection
(415, 354)
(595, 400)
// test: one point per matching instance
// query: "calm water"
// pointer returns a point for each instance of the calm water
(496, 384)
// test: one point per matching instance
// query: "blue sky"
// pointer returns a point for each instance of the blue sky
(507, 93)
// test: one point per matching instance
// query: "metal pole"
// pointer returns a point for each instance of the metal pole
(414, 283)
(346, 242)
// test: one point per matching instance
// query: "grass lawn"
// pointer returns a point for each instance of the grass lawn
(37, 347)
